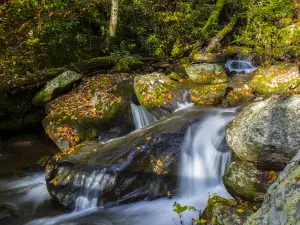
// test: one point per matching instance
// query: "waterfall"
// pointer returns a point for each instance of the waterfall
(184, 103)
(141, 116)
(242, 65)
(204, 156)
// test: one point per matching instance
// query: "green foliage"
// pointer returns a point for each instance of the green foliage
(263, 20)
(179, 209)
(36, 34)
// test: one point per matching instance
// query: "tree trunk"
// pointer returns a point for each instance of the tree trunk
(221, 34)
(214, 15)
(112, 30)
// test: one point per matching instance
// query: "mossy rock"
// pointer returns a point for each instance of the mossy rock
(238, 97)
(222, 211)
(175, 76)
(206, 73)
(282, 200)
(243, 179)
(208, 95)
(155, 91)
(55, 87)
(95, 105)
(283, 79)
(290, 35)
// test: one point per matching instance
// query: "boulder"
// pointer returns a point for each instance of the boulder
(156, 92)
(238, 97)
(206, 73)
(208, 95)
(141, 165)
(98, 104)
(267, 133)
(290, 35)
(55, 87)
(243, 179)
(283, 79)
(223, 211)
(282, 200)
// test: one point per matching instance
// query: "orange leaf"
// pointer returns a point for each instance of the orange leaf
(148, 138)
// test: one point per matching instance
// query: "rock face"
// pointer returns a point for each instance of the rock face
(138, 166)
(206, 73)
(56, 87)
(96, 105)
(282, 201)
(283, 79)
(267, 132)
(223, 211)
(243, 179)
(208, 95)
(156, 91)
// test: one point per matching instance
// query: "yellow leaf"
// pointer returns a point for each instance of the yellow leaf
(148, 138)
(159, 163)
(138, 148)
(239, 210)
(199, 221)
(254, 207)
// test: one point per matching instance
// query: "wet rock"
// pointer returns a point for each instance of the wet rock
(238, 97)
(282, 200)
(208, 95)
(206, 73)
(243, 179)
(223, 211)
(283, 79)
(267, 132)
(139, 166)
(57, 86)
(156, 92)
(96, 105)
(8, 210)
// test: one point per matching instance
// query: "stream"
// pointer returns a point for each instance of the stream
(204, 157)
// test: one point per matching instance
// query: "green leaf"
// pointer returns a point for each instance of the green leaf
(180, 209)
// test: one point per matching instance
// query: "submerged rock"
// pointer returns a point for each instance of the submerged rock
(155, 92)
(223, 211)
(139, 166)
(206, 73)
(208, 95)
(283, 79)
(99, 103)
(243, 179)
(282, 200)
(267, 132)
(57, 86)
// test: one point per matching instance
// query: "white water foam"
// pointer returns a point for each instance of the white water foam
(141, 116)
(240, 65)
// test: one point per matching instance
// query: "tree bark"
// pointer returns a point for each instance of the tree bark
(112, 30)
(214, 15)
(221, 34)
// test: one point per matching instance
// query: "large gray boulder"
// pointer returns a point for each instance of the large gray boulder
(282, 201)
(267, 132)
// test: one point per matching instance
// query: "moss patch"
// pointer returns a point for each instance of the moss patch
(208, 95)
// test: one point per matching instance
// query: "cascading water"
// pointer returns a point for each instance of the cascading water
(202, 164)
(184, 103)
(141, 116)
(241, 65)
(203, 158)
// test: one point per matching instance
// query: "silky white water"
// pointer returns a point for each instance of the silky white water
(184, 102)
(141, 116)
(203, 160)
(242, 65)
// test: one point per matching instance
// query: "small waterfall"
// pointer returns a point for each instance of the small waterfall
(242, 65)
(184, 103)
(141, 116)
(204, 157)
